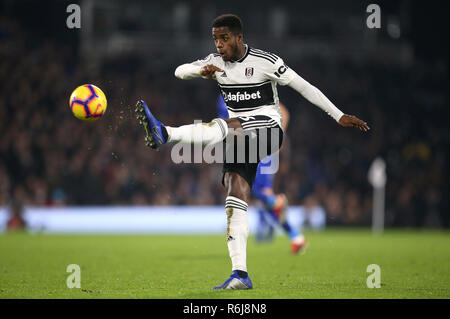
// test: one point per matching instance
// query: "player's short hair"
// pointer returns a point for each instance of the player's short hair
(232, 21)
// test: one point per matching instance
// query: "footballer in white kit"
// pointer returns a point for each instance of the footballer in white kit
(247, 78)
(248, 85)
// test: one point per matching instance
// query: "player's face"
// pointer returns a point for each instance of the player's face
(226, 42)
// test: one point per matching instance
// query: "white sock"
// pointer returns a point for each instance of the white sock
(199, 133)
(237, 232)
(298, 239)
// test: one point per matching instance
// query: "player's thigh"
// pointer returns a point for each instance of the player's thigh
(262, 133)
(270, 140)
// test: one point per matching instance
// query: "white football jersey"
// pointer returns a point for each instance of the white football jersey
(249, 85)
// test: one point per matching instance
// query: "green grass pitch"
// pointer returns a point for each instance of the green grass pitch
(414, 264)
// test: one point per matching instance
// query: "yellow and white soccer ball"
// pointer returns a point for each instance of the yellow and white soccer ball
(88, 103)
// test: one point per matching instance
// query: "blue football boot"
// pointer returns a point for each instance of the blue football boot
(236, 282)
(154, 135)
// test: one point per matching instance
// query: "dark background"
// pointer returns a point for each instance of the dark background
(395, 78)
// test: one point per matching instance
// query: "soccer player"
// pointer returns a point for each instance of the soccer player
(247, 78)
(274, 206)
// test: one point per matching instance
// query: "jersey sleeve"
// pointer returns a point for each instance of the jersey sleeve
(192, 70)
(205, 61)
(280, 72)
(315, 96)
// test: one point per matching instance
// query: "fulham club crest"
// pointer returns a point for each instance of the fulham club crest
(248, 72)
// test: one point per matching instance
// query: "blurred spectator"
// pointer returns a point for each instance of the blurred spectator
(315, 215)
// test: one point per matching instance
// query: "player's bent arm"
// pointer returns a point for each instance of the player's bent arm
(200, 68)
(188, 71)
(315, 96)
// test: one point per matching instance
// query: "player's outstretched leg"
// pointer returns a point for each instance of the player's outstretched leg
(197, 133)
(298, 241)
(278, 208)
(236, 282)
(155, 131)
(264, 228)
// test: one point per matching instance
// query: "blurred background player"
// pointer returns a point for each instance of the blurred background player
(16, 221)
(273, 207)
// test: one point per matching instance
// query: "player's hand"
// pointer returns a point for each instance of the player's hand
(353, 121)
(209, 71)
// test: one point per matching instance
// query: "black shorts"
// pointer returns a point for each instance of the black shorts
(261, 136)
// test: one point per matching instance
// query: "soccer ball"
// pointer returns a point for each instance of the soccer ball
(88, 103)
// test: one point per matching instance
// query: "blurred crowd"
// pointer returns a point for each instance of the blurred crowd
(48, 157)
